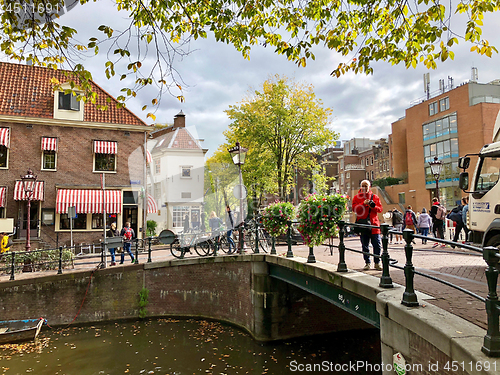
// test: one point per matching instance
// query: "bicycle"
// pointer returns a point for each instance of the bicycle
(185, 241)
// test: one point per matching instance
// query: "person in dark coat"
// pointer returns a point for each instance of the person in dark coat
(112, 232)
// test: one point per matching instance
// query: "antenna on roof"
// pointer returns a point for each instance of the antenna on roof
(473, 74)
(441, 85)
(450, 82)
(427, 84)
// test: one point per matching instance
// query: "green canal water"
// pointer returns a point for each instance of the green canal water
(181, 347)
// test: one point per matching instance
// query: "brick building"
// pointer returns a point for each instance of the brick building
(69, 145)
(450, 124)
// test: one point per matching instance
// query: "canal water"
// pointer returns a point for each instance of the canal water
(181, 347)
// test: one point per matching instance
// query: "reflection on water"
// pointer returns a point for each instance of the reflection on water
(167, 346)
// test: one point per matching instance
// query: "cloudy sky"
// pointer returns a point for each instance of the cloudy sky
(216, 76)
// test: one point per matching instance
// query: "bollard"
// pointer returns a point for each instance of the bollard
(289, 253)
(491, 344)
(385, 279)
(149, 250)
(12, 268)
(311, 258)
(256, 237)
(240, 239)
(103, 263)
(59, 271)
(342, 266)
(273, 245)
(136, 260)
(409, 296)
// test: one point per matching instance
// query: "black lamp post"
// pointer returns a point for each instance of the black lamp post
(29, 181)
(238, 155)
(436, 167)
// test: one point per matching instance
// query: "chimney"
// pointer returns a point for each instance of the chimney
(180, 120)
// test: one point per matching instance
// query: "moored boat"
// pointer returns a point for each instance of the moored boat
(12, 331)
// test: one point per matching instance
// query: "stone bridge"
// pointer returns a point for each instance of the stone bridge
(271, 297)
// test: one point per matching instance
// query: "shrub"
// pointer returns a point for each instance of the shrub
(275, 217)
(319, 216)
(151, 226)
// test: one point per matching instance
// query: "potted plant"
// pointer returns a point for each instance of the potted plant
(276, 216)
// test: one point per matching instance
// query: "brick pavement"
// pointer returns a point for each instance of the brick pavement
(452, 265)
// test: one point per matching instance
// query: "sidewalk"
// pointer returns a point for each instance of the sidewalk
(456, 266)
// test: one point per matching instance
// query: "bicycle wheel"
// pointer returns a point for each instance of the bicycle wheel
(264, 241)
(227, 246)
(202, 248)
(177, 251)
(249, 238)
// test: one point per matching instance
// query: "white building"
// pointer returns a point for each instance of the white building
(176, 176)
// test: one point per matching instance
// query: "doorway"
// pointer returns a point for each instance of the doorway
(130, 213)
(33, 219)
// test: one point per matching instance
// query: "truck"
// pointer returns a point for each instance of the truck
(483, 217)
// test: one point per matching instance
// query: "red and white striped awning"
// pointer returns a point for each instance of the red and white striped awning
(152, 206)
(49, 144)
(88, 201)
(105, 147)
(149, 157)
(5, 137)
(20, 193)
(3, 191)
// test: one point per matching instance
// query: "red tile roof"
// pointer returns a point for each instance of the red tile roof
(27, 91)
(179, 138)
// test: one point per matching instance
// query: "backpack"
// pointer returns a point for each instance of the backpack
(398, 216)
(127, 235)
(409, 218)
(441, 212)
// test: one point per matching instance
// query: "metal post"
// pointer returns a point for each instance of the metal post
(28, 224)
(240, 239)
(136, 261)
(342, 267)
(311, 258)
(385, 279)
(59, 271)
(12, 268)
(256, 235)
(491, 344)
(289, 253)
(437, 187)
(149, 250)
(273, 245)
(216, 245)
(409, 296)
(103, 254)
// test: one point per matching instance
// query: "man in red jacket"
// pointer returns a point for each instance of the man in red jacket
(366, 204)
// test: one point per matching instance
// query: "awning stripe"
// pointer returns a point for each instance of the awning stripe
(149, 157)
(152, 206)
(20, 194)
(3, 191)
(105, 147)
(49, 144)
(5, 137)
(88, 201)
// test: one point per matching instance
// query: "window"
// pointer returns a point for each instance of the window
(444, 104)
(68, 102)
(371, 161)
(97, 221)
(49, 160)
(348, 175)
(433, 108)
(105, 162)
(372, 175)
(79, 223)
(48, 216)
(3, 156)
(186, 172)
(157, 166)
(401, 197)
(157, 192)
(440, 127)
(178, 214)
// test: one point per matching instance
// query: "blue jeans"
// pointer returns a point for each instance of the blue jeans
(424, 232)
(112, 251)
(230, 240)
(126, 247)
(365, 242)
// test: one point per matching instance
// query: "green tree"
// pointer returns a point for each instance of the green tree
(363, 31)
(282, 124)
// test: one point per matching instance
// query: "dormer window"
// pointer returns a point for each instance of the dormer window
(68, 102)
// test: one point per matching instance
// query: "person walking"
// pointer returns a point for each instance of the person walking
(397, 223)
(366, 205)
(112, 232)
(438, 214)
(229, 228)
(424, 224)
(214, 223)
(186, 223)
(128, 235)
(410, 220)
(456, 215)
(465, 200)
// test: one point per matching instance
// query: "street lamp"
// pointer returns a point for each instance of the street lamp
(436, 167)
(29, 181)
(238, 155)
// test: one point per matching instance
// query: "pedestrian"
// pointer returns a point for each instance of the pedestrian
(186, 223)
(388, 220)
(424, 224)
(410, 220)
(465, 200)
(397, 223)
(456, 215)
(4, 243)
(214, 222)
(196, 222)
(229, 228)
(438, 214)
(112, 232)
(128, 235)
(366, 205)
